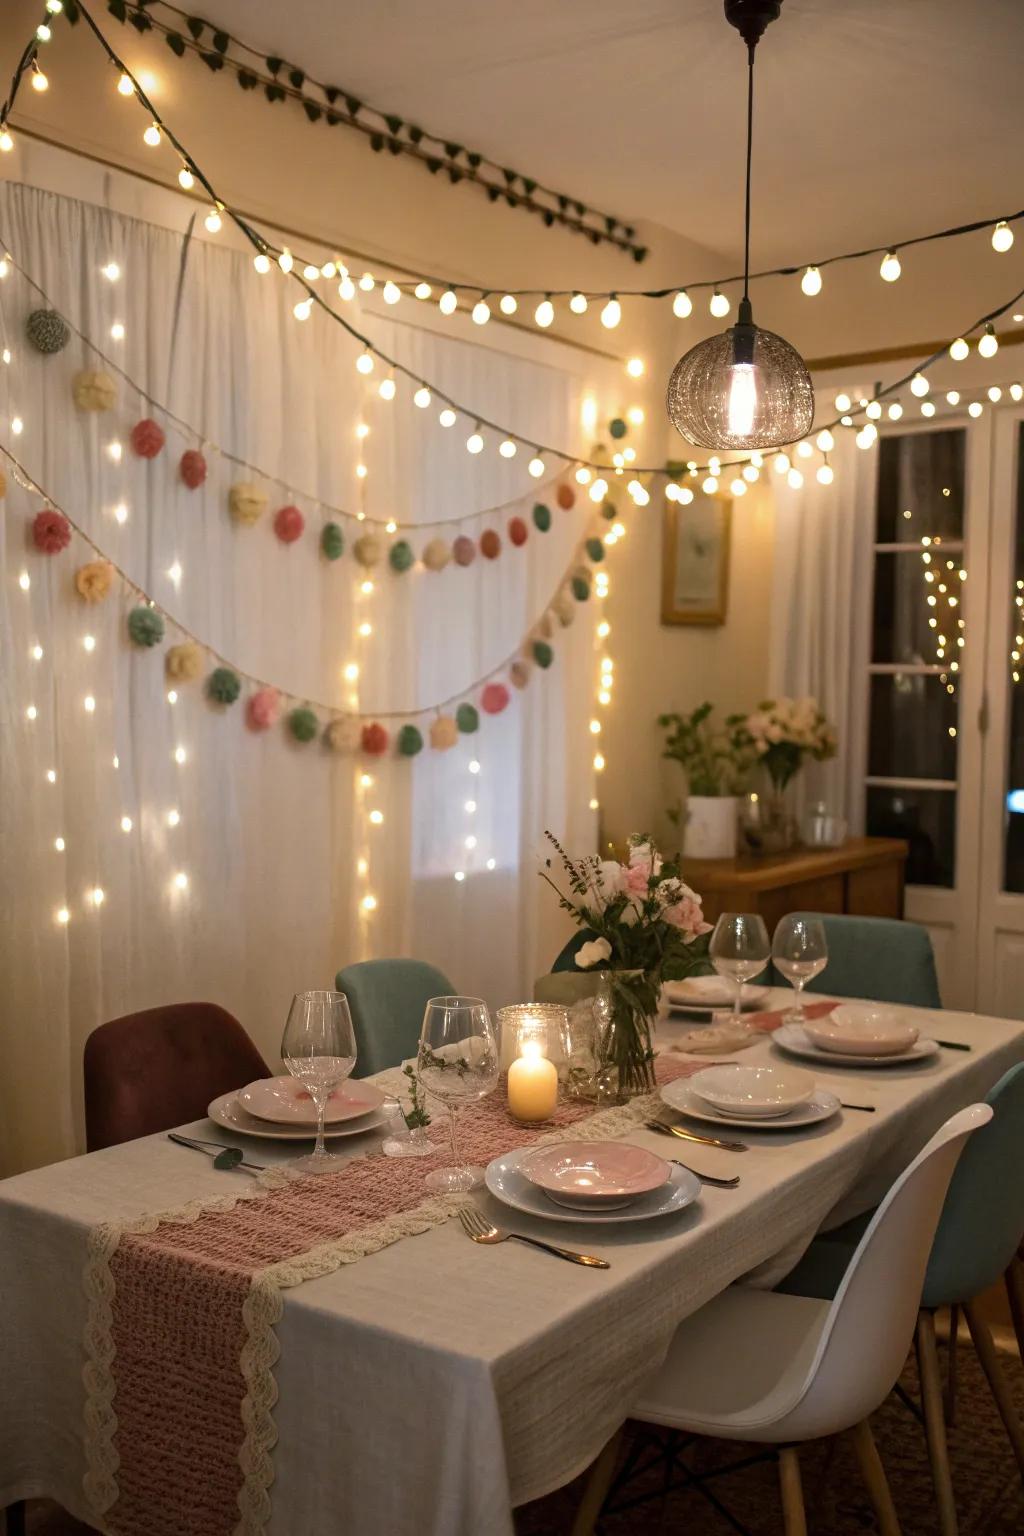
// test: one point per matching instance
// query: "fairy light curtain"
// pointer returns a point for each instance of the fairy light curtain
(155, 850)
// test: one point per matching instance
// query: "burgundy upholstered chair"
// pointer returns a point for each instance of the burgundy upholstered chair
(150, 1071)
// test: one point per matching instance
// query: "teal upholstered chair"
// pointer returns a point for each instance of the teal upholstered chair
(386, 999)
(879, 958)
(975, 1245)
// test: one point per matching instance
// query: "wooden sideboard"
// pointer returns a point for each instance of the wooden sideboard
(863, 877)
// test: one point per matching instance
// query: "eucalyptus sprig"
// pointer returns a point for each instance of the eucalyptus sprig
(417, 1115)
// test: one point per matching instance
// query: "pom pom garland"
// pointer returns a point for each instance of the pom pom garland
(303, 724)
(47, 331)
(566, 497)
(517, 532)
(467, 719)
(92, 581)
(93, 390)
(543, 655)
(437, 555)
(444, 733)
(145, 626)
(464, 550)
(409, 742)
(51, 531)
(262, 709)
(374, 739)
(223, 686)
(368, 550)
(490, 544)
(332, 541)
(400, 556)
(595, 550)
(342, 736)
(246, 503)
(494, 698)
(541, 517)
(192, 468)
(288, 524)
(147, 438)
(184, 662)
(519, 672)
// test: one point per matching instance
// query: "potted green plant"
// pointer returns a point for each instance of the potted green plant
(714, 762)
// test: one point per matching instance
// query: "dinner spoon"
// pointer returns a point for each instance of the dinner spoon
(224, 1158)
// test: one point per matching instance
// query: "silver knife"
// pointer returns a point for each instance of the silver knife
(685, 1135)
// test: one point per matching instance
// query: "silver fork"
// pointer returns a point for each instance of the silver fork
(707, 1178)
(480, 1230)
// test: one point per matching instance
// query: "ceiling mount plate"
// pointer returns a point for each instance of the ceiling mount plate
(751, 17)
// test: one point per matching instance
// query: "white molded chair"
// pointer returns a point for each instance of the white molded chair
(777, 1369)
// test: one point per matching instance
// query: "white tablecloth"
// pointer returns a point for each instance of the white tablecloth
(428, 1388)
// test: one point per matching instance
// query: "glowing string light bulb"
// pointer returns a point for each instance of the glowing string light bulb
(890, 269)
(988, 345)
(213, 222)
(422, 397)
(682, 305)
(919, 385)
(125, 86)
(481, 312)
(40, 82)
(152, 136)
(544, 314)
(448, 303)
(391, 293)
(719, 305)
(810, 283)
(186, 180)
(959, 349)
(579, 304)
(611, 314)
(364, 362)
(386, 389)
(508, 304)
(423, 290)
(1002, 236)
(536, 467)
(261, 263)
(6, 141)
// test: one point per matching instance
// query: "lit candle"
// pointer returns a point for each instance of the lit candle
(532, 1084)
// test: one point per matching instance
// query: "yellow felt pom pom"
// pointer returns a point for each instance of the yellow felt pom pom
(368, 549)
(437, 554)
(93, 390)
(343, 735)
(247, 503)
(444, 733)
(92, 581)
(183, 663)
(565, 608)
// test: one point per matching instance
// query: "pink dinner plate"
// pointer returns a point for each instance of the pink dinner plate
(594, 1173)
(285, 1101)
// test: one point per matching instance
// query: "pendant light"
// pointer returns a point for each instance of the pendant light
(746, 388)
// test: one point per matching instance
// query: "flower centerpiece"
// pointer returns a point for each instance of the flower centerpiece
(714, 762)
(642, 925)
(781, 734)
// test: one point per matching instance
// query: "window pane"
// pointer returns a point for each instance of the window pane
(919, 607)
(913, 727)
(927, 819)
(1013, 874)
(921, 474)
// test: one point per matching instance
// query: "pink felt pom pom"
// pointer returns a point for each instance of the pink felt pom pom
(192, 468)
(288, 524)
(51, 531)
(464, 550)
(517, 532)
(375, 739)
(147, 438)
(262, 709)
(494, 698)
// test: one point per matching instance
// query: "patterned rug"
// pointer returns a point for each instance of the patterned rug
(988, 1487)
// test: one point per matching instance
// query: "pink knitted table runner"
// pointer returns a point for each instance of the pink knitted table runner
(180, 1337)
(768, 1022)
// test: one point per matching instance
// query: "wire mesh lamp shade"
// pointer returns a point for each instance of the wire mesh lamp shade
(745, 388)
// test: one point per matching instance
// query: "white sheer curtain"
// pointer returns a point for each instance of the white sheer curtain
(820, 611)
(270, 836)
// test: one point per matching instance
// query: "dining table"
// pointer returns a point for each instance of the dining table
(430, 1385)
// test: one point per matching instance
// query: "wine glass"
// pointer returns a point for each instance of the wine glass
(739, 950)
(457, 1062)
(319, 1050)
(800, 952)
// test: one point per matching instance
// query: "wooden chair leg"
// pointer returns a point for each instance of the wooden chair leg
(598, 1484)
(1014, 1279)
(874, 1476)
(986, 1350)
(949, 1399)
(15, 1519)
(934, 1424)
(794, 1518)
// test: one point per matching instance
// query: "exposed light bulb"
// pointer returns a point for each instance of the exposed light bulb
(111, 271)
(544, 313)
(422, 397)
(126, 88)
(804, 449)
(952, 397)
(391, 293)
(890, 269)
(126, 823)
(975, 409)
(959, 350)
(873, 410)
(40, 83)
(738, 487)
(742, 399)
(682, 305)
(286, 261)
(152, 136)
(447, 418)
(346, 289)
(43, 32)
(1016, 392)
(423, 290)
(919, 385)
(579, 304)
(719, 305)
(781, 463)
(710, 486)
(181, 881)
(994, 393)
(895, 411)
(635, 415)
(310, 272)
(867, 435)
(303, 309)
(448, 303)
(474, 442)
(536, 467)
(507, 448)
(795, 479)
(261, 263)
(213, 222)
(988, 345)
(825, 474)
(927, 408)
(583, 475)
(364, 362)
(751, 473)
(386, 389)
(843, 403)
(6, 141)
(825, 441)
(811, 282)
(367, 282)
(1002, 236)
(481, 312)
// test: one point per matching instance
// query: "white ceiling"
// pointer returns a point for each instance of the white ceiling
(874, 117)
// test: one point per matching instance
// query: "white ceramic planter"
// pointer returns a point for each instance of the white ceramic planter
(710, 827)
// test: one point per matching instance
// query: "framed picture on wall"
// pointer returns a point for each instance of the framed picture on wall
(695, 561)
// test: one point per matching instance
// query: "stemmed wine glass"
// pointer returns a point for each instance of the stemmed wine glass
(457, 1062)
(739, 950)
(800, 952)
(319, 1050)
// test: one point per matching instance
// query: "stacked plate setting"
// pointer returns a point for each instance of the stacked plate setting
(591, 1181)
(710, 994)
(766, 1097)
(858, 1035)
(281, 1109)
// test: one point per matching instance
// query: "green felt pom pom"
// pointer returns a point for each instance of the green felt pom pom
(223, 686)
(303, 724)
(410, 741)
(332, 541)
(145, 626)
(609, 511)
(595, 550)
(617, 427)
(401, 556)
(467, 719)
(542, 517)
(580, 589)
(543, 654)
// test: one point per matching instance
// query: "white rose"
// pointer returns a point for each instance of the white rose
(606, 882)
(593, 953)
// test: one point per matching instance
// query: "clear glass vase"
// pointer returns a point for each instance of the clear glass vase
(626, 1035)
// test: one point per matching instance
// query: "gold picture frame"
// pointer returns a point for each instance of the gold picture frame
(695, 561)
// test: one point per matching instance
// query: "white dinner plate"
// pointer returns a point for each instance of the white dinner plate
(710, 994)
(284, 1101)
(793, 1038)
(822, 1105)
(228, 1112)
(513, 1188)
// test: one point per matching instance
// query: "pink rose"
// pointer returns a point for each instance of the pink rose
(637, 879)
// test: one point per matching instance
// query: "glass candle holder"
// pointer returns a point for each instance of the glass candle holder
(531, 1034)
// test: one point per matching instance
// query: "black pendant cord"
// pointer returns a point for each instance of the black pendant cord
(750, 153)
